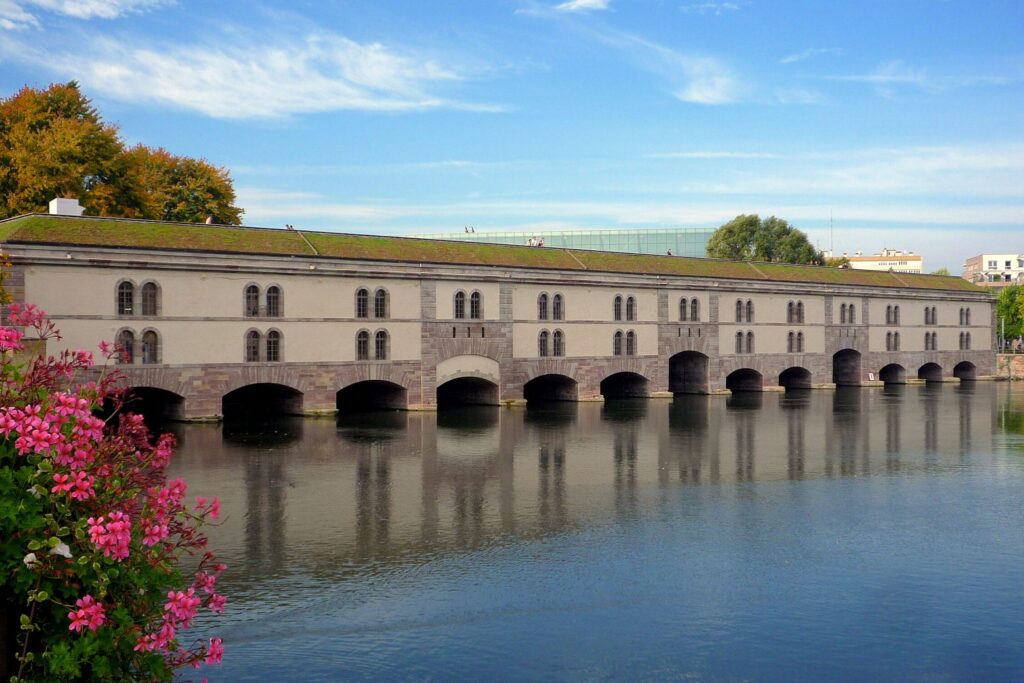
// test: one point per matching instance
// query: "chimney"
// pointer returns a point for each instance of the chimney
(62, 206)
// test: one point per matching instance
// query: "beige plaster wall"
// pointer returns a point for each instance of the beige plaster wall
(674, 295)
(583, 339)
(771, 308)
(446, 298)
(771, 338)
(584, 303)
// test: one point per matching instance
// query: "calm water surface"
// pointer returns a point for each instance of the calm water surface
(863, 534)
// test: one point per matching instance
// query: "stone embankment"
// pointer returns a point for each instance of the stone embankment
(1010, 366)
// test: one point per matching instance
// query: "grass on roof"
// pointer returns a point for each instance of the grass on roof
(127, 233)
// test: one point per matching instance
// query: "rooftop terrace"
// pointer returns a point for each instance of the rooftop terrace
(121, 233)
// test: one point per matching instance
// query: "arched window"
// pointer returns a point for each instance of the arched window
(617, 308)
(542, 343)
(252, 346)
(852, 314)
(380, 303)
(631, 343)
(750, 342)
(362, 303)
(617, 343)
(739, 310)
(842, 314)
(895, 341)
(274, 339)
(380, 345)
(363, 345)
(695, 310)
(967, 318)
(475, 308)
(750, 311)
(935, 315)
(961, 316)
(460, 305)
(126, 299)
(630, 308)
(150, 348)
(274, 302)
(895, 315)
(790, 312)
(150, 299)
(252, 301)
(888, 341)
(967, 340)
(684, 309)
(557, 307)
(799, 342)
(558, 343)
(935, 341)
(800, 312)
(927, 315)
(542, 306)
(888, 315)
(739, 342)
(790, 338)
(126, 346)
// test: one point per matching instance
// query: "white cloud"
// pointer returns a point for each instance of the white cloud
(716, 7)
(16, 14)
(582, 5)
(256, 79)
(14, 17)
(810, 52)
(713, 155)
(891, 74)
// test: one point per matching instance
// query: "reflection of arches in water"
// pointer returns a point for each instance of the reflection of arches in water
(964, 406)
(550, 388)
(259, 400)
(467, 391)
(265, 511)
(846, 418)
(624, 410)
(745, 445)
(745, 400)
(965, 370)
(551, 485)
(894, 373)
(561, 414)
(795, 378)
(154, 404)
(265, 432)
(371, 395)
(624, 459)
(893, 401)
(796, 443)
(930, 396)
(373, 499)
(688, 373)
(930, 372)
(468, 418)
(371, 427)
(744, 379)
(846, 368)
(688, 442)
(624, 385)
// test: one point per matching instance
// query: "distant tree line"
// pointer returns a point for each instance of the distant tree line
(54, 143)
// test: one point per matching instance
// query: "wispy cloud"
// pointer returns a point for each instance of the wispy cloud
(716, 7)
(253, 77)
(19, 14)
(891, 74)
(809, 53)
(582, 5)
(713, 155)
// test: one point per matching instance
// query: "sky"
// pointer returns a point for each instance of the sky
(897, 123)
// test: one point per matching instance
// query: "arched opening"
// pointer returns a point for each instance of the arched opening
(467, 391)
(371, 395)
(744, 379)
(550, 388)
(930, 372)
(893, 374)
(795, 378)
(624, 385)
(261, 400)
(154, 404)
(846, 368)
(965, 370)
(688, 373)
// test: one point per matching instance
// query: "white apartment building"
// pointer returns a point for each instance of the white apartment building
(995, 270)
(888, 259)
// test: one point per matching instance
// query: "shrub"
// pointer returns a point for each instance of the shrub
(93, 537)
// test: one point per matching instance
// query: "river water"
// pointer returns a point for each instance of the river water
(859, 534)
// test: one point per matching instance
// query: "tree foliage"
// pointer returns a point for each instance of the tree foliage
(1010, 308)
(751, 238)
(837, 261)
(941, 271)
(54, 143)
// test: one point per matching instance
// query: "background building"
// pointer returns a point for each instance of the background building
(681, 241)
(888, 259)
(995, 270)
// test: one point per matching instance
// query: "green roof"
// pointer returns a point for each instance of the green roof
(139, 234)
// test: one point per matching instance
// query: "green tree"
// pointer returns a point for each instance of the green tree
(1010, 308)
(837, 262)
(751, 238)
(53, 143)
(941, 271)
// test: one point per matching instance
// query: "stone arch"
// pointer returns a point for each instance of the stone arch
(551, 387)
(795, 378)
(467, 390)
(155, 402)
(744, 379)
(624, 384)
(893, 373)
(468, 366)
(371, 395)
(688, 373)
(846, 368)
(261, 399)
(965, 370)
(930, 372)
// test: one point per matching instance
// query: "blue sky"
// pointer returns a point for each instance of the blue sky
(902, 119)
